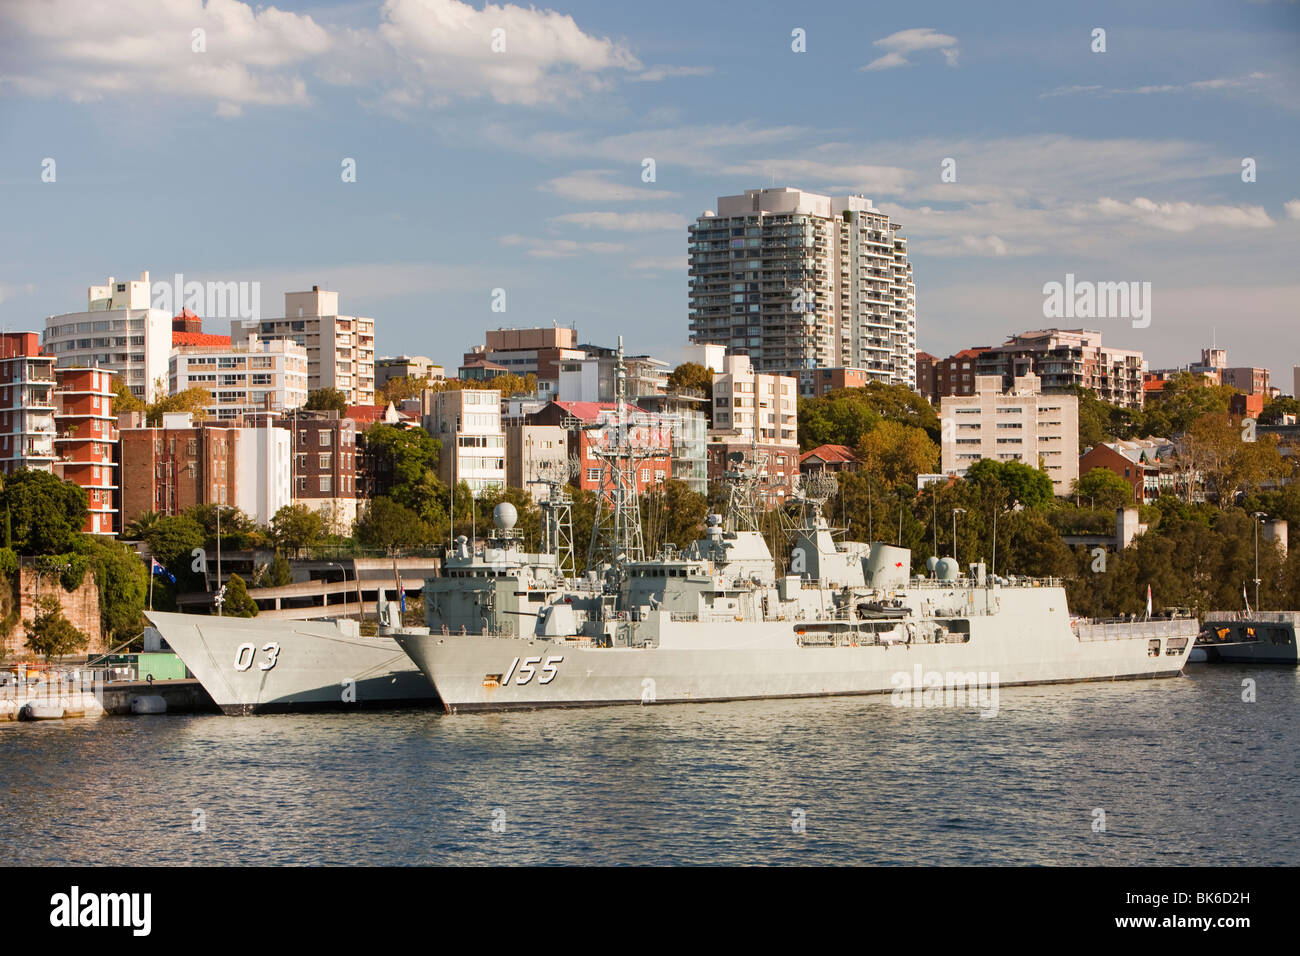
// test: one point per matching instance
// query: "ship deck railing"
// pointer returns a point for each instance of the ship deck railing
(1124, 630)
(1258, 617)
(966, 582)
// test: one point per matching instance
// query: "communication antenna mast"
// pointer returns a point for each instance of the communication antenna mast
(557, 510)
(616, 537)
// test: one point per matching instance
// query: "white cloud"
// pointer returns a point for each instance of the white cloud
(421, 53)
(1249, 82)
(1175, 216)
(625, 222)
(1292, 208)
(915, 40)
(559, 248)
(596, 185)
(663, 72)
(89, 51)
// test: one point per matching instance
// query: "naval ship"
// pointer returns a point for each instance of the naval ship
(1248, 637)
(252, 666)
(716, 621)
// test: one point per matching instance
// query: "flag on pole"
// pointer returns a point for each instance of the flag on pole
(1244, 598)
(1148, 602)
(401, 593)
(159, 570)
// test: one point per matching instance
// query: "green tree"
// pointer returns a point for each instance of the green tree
(124, 400)
(193, 401)
(51, 634)
(1103, 489)
(327, 399)
(171, 539)
(43, 514)
(237, 602)
(1019, 482)
(391, 526)
(278, 573)
(898, 453)
(692, 375)
(123, 582)
(410, 457)
(238, 530)
(297, 527)
(1274, 410)
(1185, 398)
(138, 528)
(672, 514)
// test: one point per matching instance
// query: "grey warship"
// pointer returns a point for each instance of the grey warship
(716, 622)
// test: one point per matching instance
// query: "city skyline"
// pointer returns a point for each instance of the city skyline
(476, 172)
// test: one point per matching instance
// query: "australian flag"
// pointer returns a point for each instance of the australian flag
(162, 572)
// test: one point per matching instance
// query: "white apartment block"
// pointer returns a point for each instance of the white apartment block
(534, 452)
(119, 331)
(340, 348)
(263, 475)
(744, 399)
(1022, 424)
(255, 376)
(799, 280)
(468, 423)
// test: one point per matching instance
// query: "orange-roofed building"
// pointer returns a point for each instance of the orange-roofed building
(180, 339)
(828, 458)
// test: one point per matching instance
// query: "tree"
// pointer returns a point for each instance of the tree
(193, 401)
(327, 399)
(897, 453)
(123, 581)
(171, 540)
(1017, 481)
(1278, 407)
(124, 400)
(297, 527)
(1103, 489)
(278, 573)
(1185, 398)
(237, 602)
(138, 528)
(44, 514)
(51, 634)
(388, 525)
(408, 458)
(672, 514)
(692, 375)
(238, 530)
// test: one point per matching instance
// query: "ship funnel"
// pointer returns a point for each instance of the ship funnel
(888, 566)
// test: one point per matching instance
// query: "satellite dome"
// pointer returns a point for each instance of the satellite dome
(504, 516)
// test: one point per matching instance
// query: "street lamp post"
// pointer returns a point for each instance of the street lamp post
(1259, 516)
(955, 513)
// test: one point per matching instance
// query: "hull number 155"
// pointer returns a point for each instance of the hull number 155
(527, 667)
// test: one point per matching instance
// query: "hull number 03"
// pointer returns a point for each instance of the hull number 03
(245, 653)
(527, 667)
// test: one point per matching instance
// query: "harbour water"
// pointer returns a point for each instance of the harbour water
(1185, 771)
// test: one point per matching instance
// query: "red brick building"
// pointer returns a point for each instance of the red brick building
(816, 382)
(85, 442)
(170, 469)
(646, 432)
(26, 403)
(779, 464)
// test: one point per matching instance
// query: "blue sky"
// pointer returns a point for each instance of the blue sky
(522, 169)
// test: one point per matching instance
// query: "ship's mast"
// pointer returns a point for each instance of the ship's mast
(616, 532)
(557, 510)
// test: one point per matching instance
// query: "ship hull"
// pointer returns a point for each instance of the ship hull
(761, 661)
(251, 667)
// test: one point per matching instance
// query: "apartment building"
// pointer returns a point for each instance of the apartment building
(119, 331)
(594, 376)
(534, 452)
(184, 463)
(1062, 358)
(340, 348)
(27, 404)
(255, 375)
(86, 441)
(816, 382)
(324, 465)
(468, 423)
(414, 367)
(531, 351)
(745, 400)
(954, 375)
(684, 413)
(797, 280)
(1017, 424)
(646, 432)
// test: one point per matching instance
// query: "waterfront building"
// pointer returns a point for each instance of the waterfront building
(797, 280)
(340, 348)
(27, 404)
(86, 442)
(1062, 358)
(119, 331)
(255, 375)
(1017, 424)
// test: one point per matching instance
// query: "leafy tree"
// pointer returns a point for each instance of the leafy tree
(327, 399)
(124, 400)
(51, 634)
(1274, 410)
(391, 526)
(1103, 489)
(138, 528)
(172, 538)
(1185, 398)
(123, 581)
(672, 514)
(43, 514)
(238, 530)
(297, 527)
(410, 457)
(237, 602)
(508, 384)
(897, 453)
(397, 390)
(841, 417)
(193, 401)
(1031, 487)
(278, 573)
(692, 375)
(1213, 447)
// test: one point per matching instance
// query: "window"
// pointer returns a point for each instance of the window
(326, 460)
(324, 482)
(593, 474)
